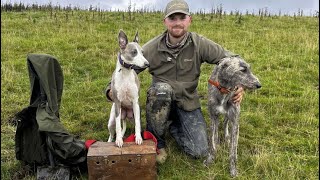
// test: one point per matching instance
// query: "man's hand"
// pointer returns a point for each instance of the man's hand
(237, 98)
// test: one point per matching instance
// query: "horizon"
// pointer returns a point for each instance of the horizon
(273, 8)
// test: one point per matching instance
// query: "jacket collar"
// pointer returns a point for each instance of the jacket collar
(162, 43)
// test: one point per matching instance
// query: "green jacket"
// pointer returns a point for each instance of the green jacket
(39, 124)
(183, 71)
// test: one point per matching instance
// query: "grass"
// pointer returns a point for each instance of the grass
(279, 126)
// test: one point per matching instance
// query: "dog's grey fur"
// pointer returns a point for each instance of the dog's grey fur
(125, 87)
(231, 73)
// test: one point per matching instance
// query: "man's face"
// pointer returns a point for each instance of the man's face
(177, 24)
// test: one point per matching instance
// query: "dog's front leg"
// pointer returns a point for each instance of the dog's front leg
(234, 118)
(214, 141)
(226, 131)
(119, 140)
(136, 114)
(111, 123)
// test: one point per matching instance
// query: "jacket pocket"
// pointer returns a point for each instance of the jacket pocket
(163, 65)
(188, 68)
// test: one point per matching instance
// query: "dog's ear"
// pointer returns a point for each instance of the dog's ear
(232, 67)
(136, 37)
(123, 40)
(225, 69)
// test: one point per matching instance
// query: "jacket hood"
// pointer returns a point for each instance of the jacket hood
(46, 78)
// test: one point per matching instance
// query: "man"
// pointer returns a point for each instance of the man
(175, 58)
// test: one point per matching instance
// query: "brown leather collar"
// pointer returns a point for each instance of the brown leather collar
(223, 90)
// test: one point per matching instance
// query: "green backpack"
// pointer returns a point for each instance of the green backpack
(30, 146)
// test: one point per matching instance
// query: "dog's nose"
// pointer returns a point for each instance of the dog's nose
(147, 64)
(258, 85)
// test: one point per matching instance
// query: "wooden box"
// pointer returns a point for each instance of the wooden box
(107, 161)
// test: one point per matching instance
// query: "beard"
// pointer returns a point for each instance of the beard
(177, 32)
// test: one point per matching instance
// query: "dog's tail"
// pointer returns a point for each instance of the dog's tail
(124, 127)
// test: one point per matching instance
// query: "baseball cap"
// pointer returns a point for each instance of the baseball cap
(176, 6)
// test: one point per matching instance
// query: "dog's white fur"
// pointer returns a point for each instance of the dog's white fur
(125, 87)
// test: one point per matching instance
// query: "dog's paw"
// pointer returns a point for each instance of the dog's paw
(233, 172)
(119, 142)
(139, 139)
(110, 139)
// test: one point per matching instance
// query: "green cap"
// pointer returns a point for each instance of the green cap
(176, 6)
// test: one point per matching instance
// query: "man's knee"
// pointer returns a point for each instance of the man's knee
(160, 91)
(197, 150)
(194, 128)
(159, 98)
(158, 107)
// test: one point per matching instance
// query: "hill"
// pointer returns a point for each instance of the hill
(279, 123)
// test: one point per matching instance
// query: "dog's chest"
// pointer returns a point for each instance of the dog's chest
(226, 105)
(222, 104)
(221, 107)
(127, 87)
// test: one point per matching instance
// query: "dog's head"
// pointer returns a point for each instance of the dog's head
(234, 71)
(131, 52)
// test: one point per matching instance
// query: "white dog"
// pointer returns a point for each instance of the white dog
(125, 87)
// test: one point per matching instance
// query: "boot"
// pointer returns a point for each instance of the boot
(162, 156)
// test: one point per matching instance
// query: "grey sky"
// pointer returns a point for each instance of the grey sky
(274, 6)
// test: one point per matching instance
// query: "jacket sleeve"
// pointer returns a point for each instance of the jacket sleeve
(212, 52)
(108, 88)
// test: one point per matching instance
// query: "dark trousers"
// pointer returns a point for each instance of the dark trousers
(188, 128)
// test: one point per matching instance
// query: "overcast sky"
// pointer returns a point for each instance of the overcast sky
(309, 7)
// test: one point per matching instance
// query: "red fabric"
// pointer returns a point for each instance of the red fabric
(89, 142)
(149, 135)
(131, 138)
(146, 135)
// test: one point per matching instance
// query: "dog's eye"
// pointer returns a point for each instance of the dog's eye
(134, 52)
(244, 69)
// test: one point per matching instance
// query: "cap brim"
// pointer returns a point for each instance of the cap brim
(177, 11)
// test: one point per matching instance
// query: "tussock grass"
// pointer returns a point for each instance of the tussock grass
(279, 123)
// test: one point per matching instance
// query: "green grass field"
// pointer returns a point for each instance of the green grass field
(279, 123)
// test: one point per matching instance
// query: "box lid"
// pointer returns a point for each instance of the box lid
(110, 148)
